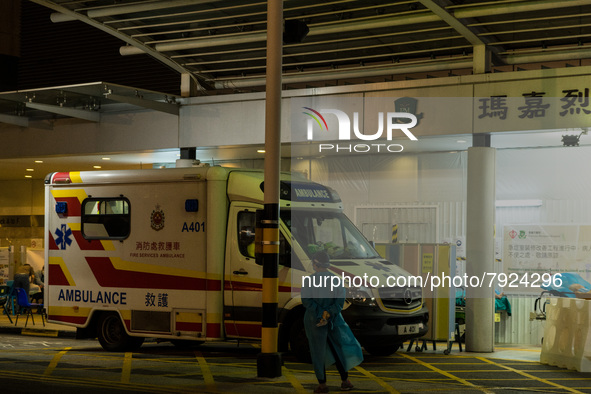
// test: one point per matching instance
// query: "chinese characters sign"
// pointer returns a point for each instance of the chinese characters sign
(547, 249)
(568, 107)
(158, 249)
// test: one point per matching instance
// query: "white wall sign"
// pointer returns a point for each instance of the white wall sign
(4, 265)
(547, 248)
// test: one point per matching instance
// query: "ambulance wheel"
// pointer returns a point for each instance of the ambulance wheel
(298, 341)
(112, 335)
(382, 350)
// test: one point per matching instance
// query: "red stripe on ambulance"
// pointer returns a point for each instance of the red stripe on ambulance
(68, 319)
(56, 276)
(87, 244)
(51, 242)
(109, 276)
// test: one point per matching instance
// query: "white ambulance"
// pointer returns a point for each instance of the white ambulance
(168, 254)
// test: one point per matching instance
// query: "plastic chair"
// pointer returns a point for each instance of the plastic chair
(11, 296)
(4, 298)
(22, 298)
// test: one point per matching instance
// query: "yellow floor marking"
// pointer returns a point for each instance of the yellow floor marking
(55, 361)
(529, 376)
(293, 380)
(517, 350)
(94, 383)
(126, 370)
(444, 373)
(205, 371)
(38, 333)
(376, 379)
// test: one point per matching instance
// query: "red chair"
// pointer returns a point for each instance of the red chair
(22, 299)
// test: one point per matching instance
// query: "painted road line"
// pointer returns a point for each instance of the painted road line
(205, 371)
(378, 380)
(39, 333)
(56, 359)
(126, 370)
(94, 383)
(532, 377)
(293, 380)
(447, 374)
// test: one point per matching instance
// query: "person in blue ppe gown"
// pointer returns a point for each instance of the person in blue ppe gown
(330, 338)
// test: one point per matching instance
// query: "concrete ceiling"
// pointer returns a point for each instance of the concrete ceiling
(221, 46)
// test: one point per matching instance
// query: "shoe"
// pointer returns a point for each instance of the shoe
(321, 389)
(346, 385)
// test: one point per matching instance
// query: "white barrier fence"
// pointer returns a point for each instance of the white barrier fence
(567, 339)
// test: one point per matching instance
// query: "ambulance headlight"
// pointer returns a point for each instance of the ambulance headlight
(360, 296)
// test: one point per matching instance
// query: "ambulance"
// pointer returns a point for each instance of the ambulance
(168, 254)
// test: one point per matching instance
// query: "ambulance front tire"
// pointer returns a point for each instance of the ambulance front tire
(112, 335)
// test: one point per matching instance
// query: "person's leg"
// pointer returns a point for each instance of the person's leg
(342, 371)
(322, 387)
(317, 339)
(322, 381)
(346, 384)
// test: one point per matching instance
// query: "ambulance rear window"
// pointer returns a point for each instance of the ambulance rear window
(106, 218)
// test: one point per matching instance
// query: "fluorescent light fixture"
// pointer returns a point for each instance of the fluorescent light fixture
(518, 203)
(38, 161)
(28, 176)
(106, 158)
(260, 151)
(97, 167)
(30, 169)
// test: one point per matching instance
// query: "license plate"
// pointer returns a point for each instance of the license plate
(408, 329)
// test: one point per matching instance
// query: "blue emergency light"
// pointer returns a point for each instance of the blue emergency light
(191, 205)
(61, 207)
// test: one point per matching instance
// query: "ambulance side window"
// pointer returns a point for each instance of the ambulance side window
(106, 218)
(246, 228)
(246, 224)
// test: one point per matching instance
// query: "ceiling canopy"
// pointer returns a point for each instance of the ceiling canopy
(222, 44)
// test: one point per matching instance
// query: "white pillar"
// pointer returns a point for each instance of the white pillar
(480, 251)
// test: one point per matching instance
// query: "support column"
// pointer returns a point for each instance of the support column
(269, 360)
(481, 59)
(480, 251)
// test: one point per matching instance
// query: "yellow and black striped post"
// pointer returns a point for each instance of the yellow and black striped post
(269, 360)
(267, 254)
(395, 234)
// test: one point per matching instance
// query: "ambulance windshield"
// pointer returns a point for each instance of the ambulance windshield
(333, 232)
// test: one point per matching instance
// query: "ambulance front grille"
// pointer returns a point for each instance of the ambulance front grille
(401, 297)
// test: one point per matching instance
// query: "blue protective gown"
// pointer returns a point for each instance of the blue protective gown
(319, 299)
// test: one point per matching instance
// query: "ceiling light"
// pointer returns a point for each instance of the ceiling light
(260, 151)
(97, 167)
(106, 158)
(28, 176)
(38, 161)
(30, 169)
